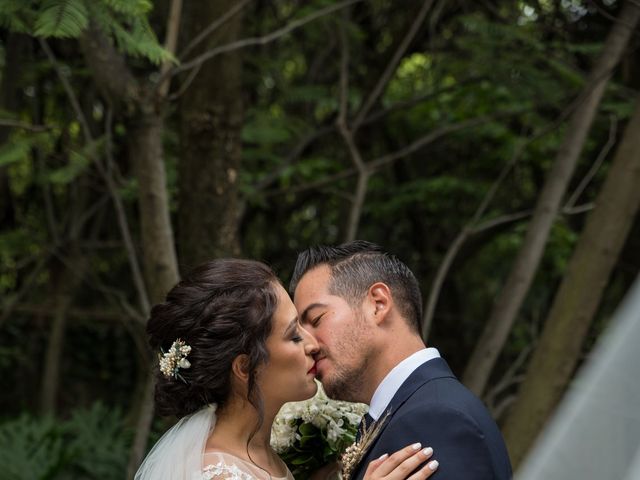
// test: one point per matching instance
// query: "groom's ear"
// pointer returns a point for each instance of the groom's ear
(379, 301)
(240, 368)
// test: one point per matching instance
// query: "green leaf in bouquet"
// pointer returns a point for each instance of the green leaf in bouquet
(307, 429)
(306, 439)
(302, 459)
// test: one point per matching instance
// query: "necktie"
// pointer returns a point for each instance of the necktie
(365, 424)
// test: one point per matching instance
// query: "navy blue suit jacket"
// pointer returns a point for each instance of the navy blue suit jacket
(432, 407)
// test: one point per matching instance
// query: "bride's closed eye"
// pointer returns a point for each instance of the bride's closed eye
(296, 337)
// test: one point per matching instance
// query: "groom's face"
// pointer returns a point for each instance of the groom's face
(341, 331)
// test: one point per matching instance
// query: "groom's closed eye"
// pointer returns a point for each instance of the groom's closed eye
(316, 320)
(306, 318)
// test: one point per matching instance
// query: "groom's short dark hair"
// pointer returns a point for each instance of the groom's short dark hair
(357, 265)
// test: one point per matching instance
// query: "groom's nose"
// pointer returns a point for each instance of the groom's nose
(311, 345)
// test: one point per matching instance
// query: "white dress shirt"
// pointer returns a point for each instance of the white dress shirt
(396, 377)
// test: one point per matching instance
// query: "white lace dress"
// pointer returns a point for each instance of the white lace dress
(224, 466)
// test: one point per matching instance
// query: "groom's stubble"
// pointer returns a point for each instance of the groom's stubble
(350, 356)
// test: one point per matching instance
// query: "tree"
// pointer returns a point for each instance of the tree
(512, 295)
(210, 147)
(565, 328)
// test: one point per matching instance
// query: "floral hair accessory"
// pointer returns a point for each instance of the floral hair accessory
(175, 359)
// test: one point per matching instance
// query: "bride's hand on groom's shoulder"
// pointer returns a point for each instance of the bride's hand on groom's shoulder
(402, 464)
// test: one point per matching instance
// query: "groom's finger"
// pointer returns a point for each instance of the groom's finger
(404, 461)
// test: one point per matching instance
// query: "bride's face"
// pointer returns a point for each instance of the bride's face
(289, 374)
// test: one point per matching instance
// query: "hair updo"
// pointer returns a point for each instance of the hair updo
(222, 309)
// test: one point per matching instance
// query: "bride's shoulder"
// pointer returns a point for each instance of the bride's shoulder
(221, 465)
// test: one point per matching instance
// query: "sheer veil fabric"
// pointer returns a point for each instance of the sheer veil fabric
(178, 454)
(595, 432)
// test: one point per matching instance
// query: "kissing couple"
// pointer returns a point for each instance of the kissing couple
(234, 348)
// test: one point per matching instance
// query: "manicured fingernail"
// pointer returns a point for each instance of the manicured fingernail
(382, 457)
(428, 451)
(416, 446)
(433, 465)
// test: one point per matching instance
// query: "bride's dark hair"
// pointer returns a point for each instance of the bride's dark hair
(222, 309)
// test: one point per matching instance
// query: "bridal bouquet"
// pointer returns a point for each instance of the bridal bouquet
(310, 434)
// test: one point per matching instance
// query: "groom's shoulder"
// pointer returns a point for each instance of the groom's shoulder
(443, 394)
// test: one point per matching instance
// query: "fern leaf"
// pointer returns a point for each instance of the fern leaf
(132, 34)
(140, 42)
(130, 8)
(62, 18)
(16, 16)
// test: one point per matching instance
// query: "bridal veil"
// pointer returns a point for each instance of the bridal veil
(178, 454)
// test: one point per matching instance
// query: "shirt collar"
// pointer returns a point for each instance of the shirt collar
(396, 377)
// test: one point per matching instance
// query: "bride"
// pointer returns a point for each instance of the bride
(231, 353)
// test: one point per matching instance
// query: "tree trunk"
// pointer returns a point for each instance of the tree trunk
(158, 252)
(210, 128)
(143, 108)
(159, 257)
(575, 305)
(511, 297)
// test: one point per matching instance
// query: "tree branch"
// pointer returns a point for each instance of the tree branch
(263, 40)
(455, 246)
(8, 122)
(212, 28)
(122, 220)
(125, 231)
(170, 44)
(392, 157)
(320, 132)
(391, 67)
(596, 165)
(10, 302)
(357, 202)
(426, 139)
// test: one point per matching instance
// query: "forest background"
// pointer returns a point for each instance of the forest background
(494, 146)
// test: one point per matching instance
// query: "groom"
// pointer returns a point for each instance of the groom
(364, 308)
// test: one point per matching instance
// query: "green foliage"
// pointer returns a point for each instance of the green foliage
(79, 161)
(15, 150)
(125, 21)
(130, 8)
(92, 444)
(32, 448)
(18, 147)
(472, 62)
(98, 442)
(16, 16)
(62, 18)
(266, 130)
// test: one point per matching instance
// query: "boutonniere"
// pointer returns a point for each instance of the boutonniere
(355, 452)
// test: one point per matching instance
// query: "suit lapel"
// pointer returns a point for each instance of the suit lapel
(430, 370)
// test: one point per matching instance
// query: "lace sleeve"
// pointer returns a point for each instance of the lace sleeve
(221, 470)
(224, 466)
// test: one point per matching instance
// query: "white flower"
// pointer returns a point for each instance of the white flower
(337, 421)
